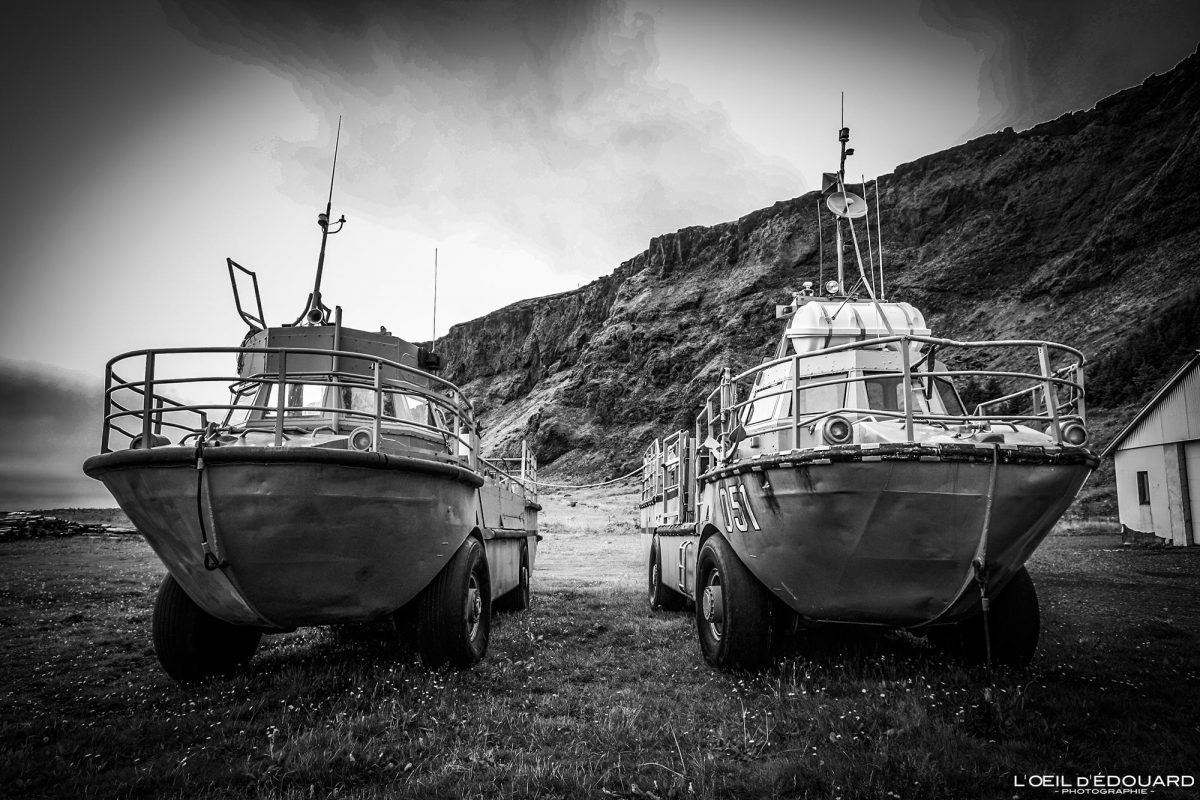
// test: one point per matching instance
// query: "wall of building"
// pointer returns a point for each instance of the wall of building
(1173, 473)
(1153, 518)
(1192, 465)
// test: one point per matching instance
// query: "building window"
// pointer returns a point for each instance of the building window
(1143, 479)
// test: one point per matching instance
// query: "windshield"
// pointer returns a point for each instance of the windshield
(398, 405)
(769, 391)
(886, 393)
(302, 400)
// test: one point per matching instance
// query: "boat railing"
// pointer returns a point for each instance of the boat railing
(652, 475)
(668, 472)
(1055, 395)
(272, 401)
(517, 474)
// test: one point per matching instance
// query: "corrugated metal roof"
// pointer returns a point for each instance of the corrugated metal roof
(1149, 408)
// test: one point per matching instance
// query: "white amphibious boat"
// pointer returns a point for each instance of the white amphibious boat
(844, 481)
(333, 479)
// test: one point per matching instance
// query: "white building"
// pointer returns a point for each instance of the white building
(1157, 460)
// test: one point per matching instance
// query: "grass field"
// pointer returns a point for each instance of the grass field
(589, 694)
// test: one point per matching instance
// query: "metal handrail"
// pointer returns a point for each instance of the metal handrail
(456, 409)
(526, 478)
(724, 401)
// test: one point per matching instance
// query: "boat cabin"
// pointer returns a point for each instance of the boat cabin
(339, 387)
(861, 384)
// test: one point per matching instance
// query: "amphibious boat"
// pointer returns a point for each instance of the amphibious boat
(845, 480)
(333, 478)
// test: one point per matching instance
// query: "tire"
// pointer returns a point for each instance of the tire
(733, 611)
(1014, 626)
(518, 598)
(191, 644)
(659, 595)
(454, 618)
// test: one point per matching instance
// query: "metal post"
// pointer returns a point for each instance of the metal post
(1051, 395)
(725, 398)
(795, 401)
(458, 430)
(1081, 403)
(908, 415)
(107, 408)
(337, 365)
(281, 400)
(147, 400)
(375, 431)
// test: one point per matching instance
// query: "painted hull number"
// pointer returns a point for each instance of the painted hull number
(735, 505)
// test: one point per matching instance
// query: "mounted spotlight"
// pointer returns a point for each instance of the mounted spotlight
(1074, 434)
(361, 439)
(838, 430)
(832, 287)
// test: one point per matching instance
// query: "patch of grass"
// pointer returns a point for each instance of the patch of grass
(589, 694)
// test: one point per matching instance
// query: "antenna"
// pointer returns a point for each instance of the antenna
(433, 338)
(867, 223)
(315, 312)
(879, 236)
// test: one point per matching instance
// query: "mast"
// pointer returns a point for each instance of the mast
(843, 205)
(316, 312)
(843, 137)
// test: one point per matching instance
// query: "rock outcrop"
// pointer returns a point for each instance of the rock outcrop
(1077, 230)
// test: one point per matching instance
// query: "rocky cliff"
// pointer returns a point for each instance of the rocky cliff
(1080, 230)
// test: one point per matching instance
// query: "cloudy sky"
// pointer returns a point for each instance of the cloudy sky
(535, 144)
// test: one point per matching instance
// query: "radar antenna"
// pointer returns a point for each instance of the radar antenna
(316, 312)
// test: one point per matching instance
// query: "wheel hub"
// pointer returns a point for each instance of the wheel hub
(713, 607)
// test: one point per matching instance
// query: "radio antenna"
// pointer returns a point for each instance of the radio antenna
(315, 312)
(433, 338)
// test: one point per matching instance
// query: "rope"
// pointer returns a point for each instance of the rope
(980, 565)
(544, 485)
(211, 561)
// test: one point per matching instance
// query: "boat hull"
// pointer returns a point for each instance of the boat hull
(297, 537)
(890, 540)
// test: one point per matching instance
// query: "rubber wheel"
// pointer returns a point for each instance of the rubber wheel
(733, 611)
(454, 617)
(660, 596)
(518, 598)
(1014, 625)
(191, 644)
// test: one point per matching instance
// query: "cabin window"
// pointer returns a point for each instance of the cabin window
(361, 400)
(772, 382)
(950, 399)
(302, 399)
(822, 399)
(886, 393)
(1143, 484)
(762, 410)
(396, 405)
(410, 408)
